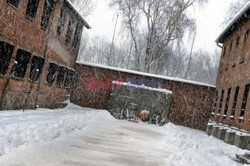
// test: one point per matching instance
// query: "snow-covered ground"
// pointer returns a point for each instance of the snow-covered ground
(83, 136)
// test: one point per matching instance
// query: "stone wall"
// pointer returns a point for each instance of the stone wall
(191, 102)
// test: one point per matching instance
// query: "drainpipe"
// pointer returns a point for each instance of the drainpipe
(219, 45)
(45, 55)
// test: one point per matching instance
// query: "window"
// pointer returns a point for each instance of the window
(246, 37)
(22, 59)
(14, 3)
(69, 31)
(244, 102)
(61, 23)
(231, 46)
(77, 36)
(69, 78)
(238, 42)
(47, 10)
(32, 8)
(215, 101)
(235, 100)
(52, 73)
(221, 101)
(60, 76)
(36, 68)
(6, 51)
(227, 102)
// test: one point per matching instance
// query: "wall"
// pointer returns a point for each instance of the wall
(22, 32)
(233, 72)
(191, 105)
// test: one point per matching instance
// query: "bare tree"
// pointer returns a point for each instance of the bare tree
(85, 7)
(234, 8)
(165, 20)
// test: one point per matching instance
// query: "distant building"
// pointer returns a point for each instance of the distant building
(232, 104)
(39, 43)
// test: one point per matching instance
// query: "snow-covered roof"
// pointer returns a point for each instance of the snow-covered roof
(142, 87)
(146, 74)
(236, 19)
(78, 14)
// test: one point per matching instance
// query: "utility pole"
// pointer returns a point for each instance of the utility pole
(111, 47)
(190, 57)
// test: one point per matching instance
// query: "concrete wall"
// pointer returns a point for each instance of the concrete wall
(234, 71)
(22, 32)
(191, 105)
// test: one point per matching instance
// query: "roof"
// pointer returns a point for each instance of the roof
(147, 74)
(78, 14)
(242, 16)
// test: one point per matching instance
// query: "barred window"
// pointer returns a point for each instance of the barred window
(61, 76)
(6, 51)
(32, 8)
(22, 59)
(70, 30)
(221, 101)
(36, 68)
(235, 100)
(61, 23)
(14, 3)
(227, 101)
(77, 35)
(69, 78)
(52, 73)
(47, 10)
(244, 102)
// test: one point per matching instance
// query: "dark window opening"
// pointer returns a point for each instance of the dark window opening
(47, 10)
(52, 73)
(14, 3)
(32, 8)
(246, 36)
(69, 31)
(221, 101)
(237, 42)
(69, 78)
(215, 101)
(231, 46)
(6, 51)
(235, 101)
(36, 68)
(77, 36)
(227, 102)
(22, 59)
(61, 76)
(61, 23)
(244, 102)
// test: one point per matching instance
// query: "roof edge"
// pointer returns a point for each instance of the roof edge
(232, 22)
(78, 14)
(147, 74)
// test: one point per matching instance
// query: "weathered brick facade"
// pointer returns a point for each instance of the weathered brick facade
(36, 36)
(191, 102)
(232, 106)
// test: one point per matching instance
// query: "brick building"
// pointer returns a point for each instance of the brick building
(39, 43)
(232, 101)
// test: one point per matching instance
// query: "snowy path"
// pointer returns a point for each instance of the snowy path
(85, 137)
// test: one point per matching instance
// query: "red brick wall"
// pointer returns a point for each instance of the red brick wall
(231, 77)
(21, 32)
(191, 103)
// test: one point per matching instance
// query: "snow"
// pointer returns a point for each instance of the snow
(79, 14)
(145, 74)
(142, 87)
(83, 136)
(235, 19)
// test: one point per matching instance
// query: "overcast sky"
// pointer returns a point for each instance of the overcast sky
(208, 18)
